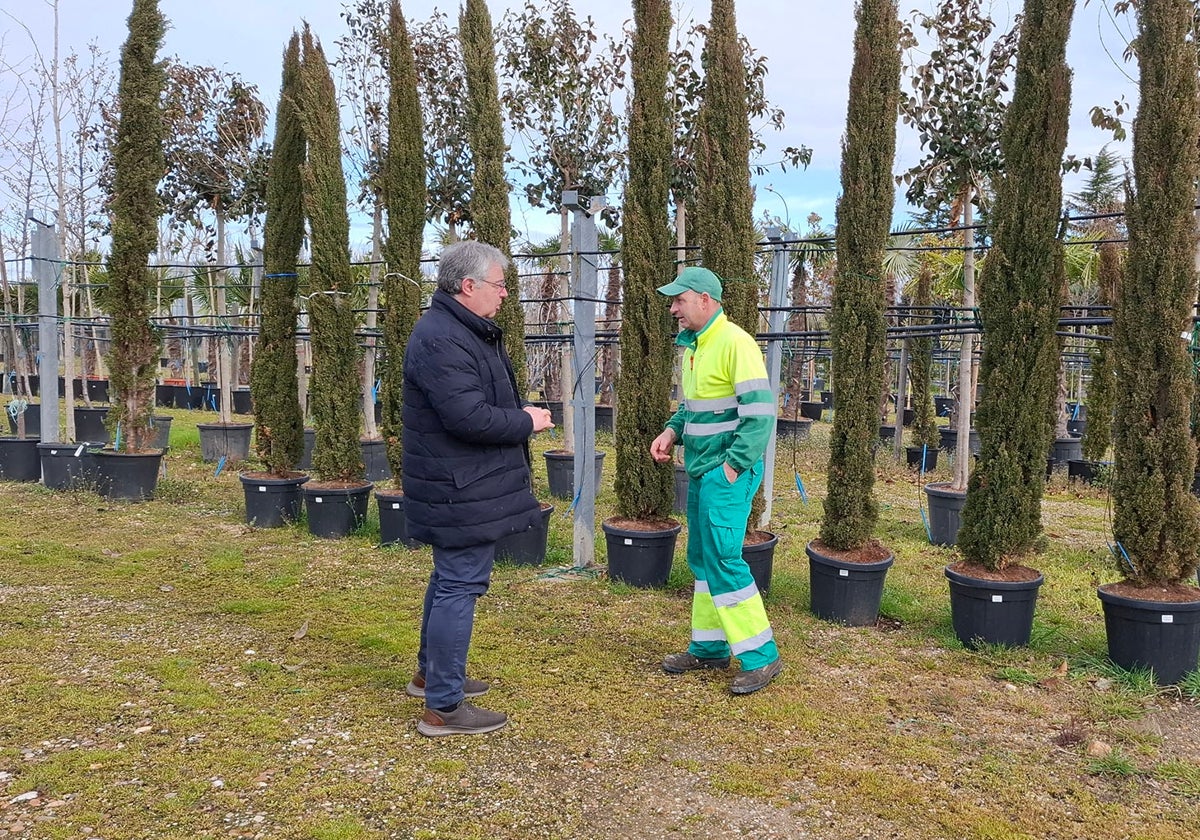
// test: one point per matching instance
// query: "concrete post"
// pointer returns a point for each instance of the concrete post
(584, 245)
(47, 271)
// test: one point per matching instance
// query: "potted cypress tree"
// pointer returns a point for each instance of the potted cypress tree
(492, 223)
(923, 453)
(404, 199)
(724, 217)
(847, 566)
(992, 592)
(130, 469)
(337, 501)
(641, 537)
(1152, 616)
(273, 495)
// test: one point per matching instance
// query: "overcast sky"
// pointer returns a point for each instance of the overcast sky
(807, 44)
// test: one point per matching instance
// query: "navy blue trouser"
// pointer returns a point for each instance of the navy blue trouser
(459, 577)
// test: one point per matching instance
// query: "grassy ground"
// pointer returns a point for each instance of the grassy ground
(168, 672)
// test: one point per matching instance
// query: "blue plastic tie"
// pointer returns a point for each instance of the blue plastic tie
(1123, 556)
(925, 522)
(220, 466)
(800, 488)
(574, 502)
(117, 442)
(1075, 412)
(375, 390)
(924, 450)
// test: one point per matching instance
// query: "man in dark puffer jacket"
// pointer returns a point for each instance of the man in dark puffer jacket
(466, 472)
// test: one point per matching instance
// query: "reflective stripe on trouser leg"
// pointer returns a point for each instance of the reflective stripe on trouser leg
(718, 529)
(708, 637)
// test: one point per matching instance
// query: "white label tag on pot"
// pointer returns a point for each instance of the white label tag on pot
(1168, 619)
(318, 499)
(997, 599)
(78, 451)
(844, 572)
(395, 506)
(628, 541)
(262, 488)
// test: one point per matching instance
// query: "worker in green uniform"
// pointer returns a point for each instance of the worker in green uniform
(724, 422)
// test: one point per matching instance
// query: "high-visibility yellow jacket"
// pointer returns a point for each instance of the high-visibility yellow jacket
(727, 413)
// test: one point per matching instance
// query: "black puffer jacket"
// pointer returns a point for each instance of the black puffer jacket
(466, 455)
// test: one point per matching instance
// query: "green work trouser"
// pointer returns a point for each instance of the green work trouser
(728, 616)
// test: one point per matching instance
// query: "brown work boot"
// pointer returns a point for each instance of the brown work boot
(463, 720)
(750, 681)
(681, 663)
(471, 688)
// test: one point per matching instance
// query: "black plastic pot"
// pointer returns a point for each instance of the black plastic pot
(242, 403)
(760, 557)
(560, 472)
(164, 396)
(992, 612)
(271, 500)
(604, 418)
(909, 417)
(945, 512)
(67, 466)
(230, 441)
(921, 458)
(640, 558)
(799, 428)
(527, 548)
(374, 455)
(161, 424)
(847, 593)
(1064, 450)
(190, 397)
(943, 406)
(393, 527)
(812, 410)
(333, 512)
(19, 459)
(97, 390)
(127, 476)
(949, 438)
(1164, 637)
(33, 421)
(887, 434)
(1093, 472)
(89, 424)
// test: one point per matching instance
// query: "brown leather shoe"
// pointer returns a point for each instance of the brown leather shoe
(750, 681)
(681, 663)
(465, 720)
(471, 688)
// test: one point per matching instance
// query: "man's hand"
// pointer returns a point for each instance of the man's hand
(660, 447)
(730, 473)
(541, 418)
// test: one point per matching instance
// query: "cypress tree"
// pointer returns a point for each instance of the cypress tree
(279, 423)
(337, 455)
(138, 166)
(1102, 390)
(645, 490)
(920, 366)
(489, 190)
(724, 201)
(404, 197)
(1155, 519)
(858, 332)
(1020, 299)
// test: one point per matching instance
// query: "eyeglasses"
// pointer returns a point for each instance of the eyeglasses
(489, 282)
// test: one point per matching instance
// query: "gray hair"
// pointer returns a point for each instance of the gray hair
(467, 258)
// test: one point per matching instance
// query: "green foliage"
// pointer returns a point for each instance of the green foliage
(442, 84)
(644, 489)
(404, 198)
(558, 95)
(957, 104)
(1022, 290)
(138, 166)
(279, 422)
(333, 394)
(1102, 391)
(1156, 519)
(489, 193)
(858, 332)
(1116, 763)
(724, 201)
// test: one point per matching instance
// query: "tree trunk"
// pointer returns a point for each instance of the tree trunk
(962, 411)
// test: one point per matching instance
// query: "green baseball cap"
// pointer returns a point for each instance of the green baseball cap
(696, 279)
